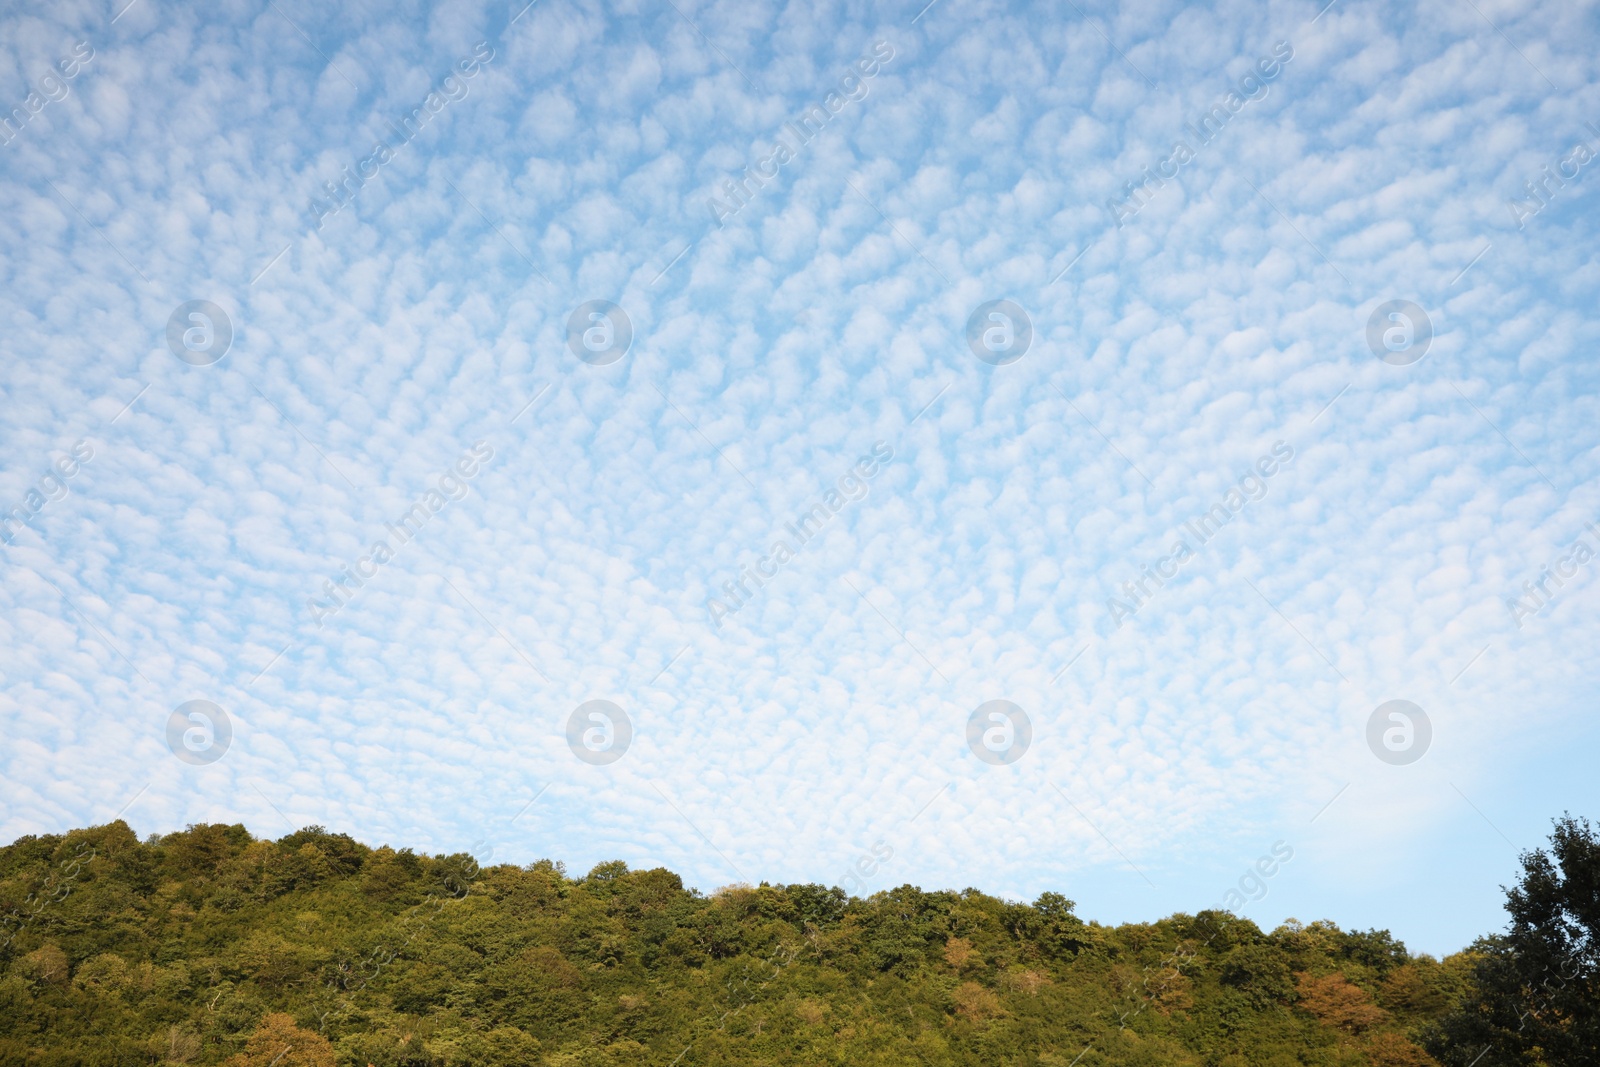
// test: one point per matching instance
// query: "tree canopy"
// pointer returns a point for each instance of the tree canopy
(212, 946)
(1535, 992)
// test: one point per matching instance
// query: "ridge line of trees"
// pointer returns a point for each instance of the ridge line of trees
(211, 946)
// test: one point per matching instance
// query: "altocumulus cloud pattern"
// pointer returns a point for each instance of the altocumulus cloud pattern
(1094, 447)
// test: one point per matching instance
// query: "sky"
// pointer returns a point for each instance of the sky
(1147, 452)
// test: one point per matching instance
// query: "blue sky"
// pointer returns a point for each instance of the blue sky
(183, 500)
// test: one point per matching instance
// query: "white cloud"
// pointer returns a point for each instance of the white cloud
(825, 317)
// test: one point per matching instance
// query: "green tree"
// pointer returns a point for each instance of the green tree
(204, 947)
(1537, 993)
(278, 1042)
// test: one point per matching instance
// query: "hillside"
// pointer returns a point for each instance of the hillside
(208, 944)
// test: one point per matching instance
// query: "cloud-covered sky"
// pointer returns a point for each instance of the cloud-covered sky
(286, 282)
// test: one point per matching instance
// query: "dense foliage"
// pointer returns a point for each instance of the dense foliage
(210, 946)
(1535, 995)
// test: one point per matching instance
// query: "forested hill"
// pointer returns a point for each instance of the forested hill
(211, 946)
